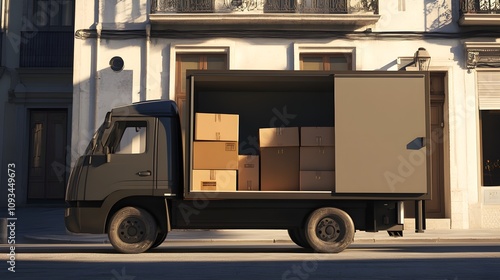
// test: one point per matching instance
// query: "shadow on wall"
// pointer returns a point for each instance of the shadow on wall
(119, 11)
(440, 15)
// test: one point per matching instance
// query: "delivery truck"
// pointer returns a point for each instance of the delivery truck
(320, 154)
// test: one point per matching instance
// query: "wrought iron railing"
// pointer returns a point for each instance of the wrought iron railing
(46, 49)
(265, 6)
(184, 6)
(307, 6)
(480, 6)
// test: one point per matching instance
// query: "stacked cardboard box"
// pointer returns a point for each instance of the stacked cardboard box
(317, 159)
(279, 153)
(215, 152)
(248, 173)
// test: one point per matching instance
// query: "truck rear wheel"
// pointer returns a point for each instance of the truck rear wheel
(329, 230)
(132, 230)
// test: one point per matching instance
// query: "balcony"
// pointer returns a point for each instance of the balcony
(263, 14)
(479, 12)
(46, 49)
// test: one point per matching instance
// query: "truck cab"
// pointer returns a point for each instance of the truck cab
(124, 165)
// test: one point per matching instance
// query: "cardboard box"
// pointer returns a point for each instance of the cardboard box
(317, 136)
(216, 127)
(317, 180)
(317, 158)
(214, 180)
(248, 173)
(215, 155)
(279, 137)
(279, 169)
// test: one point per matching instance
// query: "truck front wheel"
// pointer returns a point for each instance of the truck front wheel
(329, 230)
(132, 230)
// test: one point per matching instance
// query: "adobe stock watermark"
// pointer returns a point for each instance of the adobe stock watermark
(305, 269)
(301, 271)
(122, 275)
(12, 219)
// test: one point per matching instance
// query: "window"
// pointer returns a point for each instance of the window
(490, 137)
(51, 14)
(488, 86)
(326, 62)
(128, 137)
(193, 62)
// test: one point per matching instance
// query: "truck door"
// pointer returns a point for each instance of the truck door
(127, 161)
(382, 133)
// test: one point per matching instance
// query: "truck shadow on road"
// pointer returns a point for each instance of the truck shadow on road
(271, 248)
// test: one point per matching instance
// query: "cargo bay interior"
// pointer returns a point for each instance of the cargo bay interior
(287, 104)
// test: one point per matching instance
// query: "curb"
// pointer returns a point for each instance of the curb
(99, 240)
(428, 240)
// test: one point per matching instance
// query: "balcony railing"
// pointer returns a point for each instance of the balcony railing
(265, 6)
(307, 6)
(480, 6)
(46, 49)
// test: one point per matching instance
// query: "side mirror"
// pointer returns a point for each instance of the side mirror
(107, 120)
(107, 153)
(94, 142)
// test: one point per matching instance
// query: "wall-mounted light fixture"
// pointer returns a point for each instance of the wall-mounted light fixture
(422, 59)
(116, 63)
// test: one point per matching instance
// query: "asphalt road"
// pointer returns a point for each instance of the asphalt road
(236, 260)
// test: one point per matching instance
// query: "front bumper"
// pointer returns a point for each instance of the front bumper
(85, 220)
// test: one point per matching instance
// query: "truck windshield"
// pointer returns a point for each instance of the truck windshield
(96, 141)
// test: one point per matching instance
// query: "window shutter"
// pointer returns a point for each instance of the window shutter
(488, 87)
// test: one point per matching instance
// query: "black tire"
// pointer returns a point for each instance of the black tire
(329, 230)
(298, 236)
(132, 230)
(160, 237)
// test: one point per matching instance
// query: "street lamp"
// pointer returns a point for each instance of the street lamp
(422, 59)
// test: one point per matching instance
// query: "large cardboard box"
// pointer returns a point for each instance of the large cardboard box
(215, 155)
(248, 173)
(317, 180)
(216, 127)
(317, 158)
(279, 137)
(214, 180)
(279, 169)
(317, 136)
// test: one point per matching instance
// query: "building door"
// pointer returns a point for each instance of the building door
(435, 207)
(47, 154)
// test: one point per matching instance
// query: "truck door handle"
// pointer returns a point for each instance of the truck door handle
(416, 144)
(144, 173)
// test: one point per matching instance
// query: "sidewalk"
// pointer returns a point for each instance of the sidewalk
(46, 225)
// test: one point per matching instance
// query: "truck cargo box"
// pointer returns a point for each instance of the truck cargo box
(379, 123)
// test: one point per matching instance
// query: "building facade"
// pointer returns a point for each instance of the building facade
(36, 86)
(133, 50)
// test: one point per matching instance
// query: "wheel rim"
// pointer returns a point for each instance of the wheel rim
(328, 230)
(132, 230)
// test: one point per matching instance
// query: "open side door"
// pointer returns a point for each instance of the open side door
(382, 130)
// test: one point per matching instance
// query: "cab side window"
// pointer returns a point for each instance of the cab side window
(128, 137)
